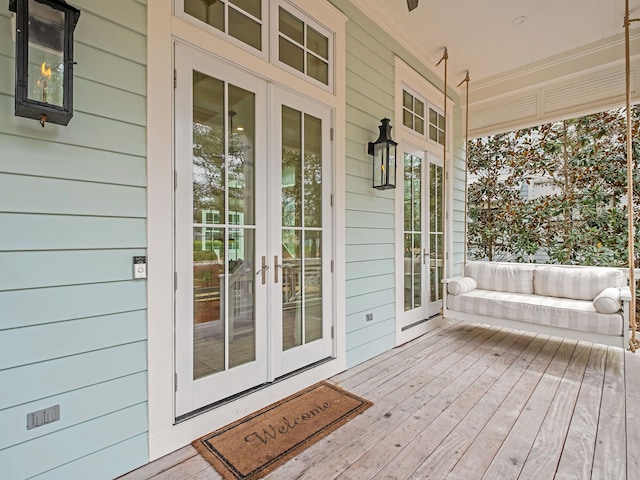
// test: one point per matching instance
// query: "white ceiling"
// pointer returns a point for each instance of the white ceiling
(480, 36)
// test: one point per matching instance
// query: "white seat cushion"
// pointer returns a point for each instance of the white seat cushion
(537, 309)
(514, 277)
(576, 283)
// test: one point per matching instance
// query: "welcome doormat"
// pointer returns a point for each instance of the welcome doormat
(258, 443)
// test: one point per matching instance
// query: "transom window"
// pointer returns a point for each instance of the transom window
(241, 19)
(437, 126)
(412, 112)
(275, 30)
(303, 47)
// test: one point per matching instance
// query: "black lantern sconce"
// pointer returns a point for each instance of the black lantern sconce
(44, 59)
(384, 158)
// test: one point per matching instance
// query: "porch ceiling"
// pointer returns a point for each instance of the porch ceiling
(557, 40)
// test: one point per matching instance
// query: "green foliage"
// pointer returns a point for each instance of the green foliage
(579, 166)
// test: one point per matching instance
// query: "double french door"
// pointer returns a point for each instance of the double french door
(423, 237)
(253, 231)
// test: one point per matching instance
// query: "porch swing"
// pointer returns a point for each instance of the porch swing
(515, 295)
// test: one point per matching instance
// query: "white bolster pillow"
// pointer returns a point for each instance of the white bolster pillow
(461, 285)
(608, 300)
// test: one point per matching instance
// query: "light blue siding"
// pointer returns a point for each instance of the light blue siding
(370, 214)
(73, 322)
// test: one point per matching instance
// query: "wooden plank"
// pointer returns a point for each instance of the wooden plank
(68, 373)
(366, 269)
(420, 398)
(129, 14)
(99, 66)
(329, 458)
(410, 459)
(453, 383)
(358, 320)
(57, 160)
(369, 219)
(61, 232)
(449, 452)
(373, 369)
(375, 329)
(359, 286)
(421, 343)
(577, 455)
(109, 462)
(186, 469)
(88, 130)
(486, 444)
(106, 101)
(361, 352)
(632, 392)
(369, 301)
(57, 268)
(38, 194)
(162, 464)
(102, 33)
(369, 252)
(370, 235)
(22, 346)
(543, 459)
(23, 308)
(76, 406)
(610, 457)
(511, 457)
(368, 202)
(73, 443)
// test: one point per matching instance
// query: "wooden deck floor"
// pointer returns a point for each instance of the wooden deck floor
(466, 401)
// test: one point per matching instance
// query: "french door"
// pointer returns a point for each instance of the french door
(423, 237)
(252, 231)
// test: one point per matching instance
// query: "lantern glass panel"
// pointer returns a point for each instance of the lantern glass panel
(392, 165)
(46, 54)
(379, 151)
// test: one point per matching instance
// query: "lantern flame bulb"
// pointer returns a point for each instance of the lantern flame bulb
(46, 72)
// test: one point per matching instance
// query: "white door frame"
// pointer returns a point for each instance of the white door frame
(165, 435)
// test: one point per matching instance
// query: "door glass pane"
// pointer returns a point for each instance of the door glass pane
(301, 228)
(312, 171)
(412, 231)
(240, 299)
(291, 167)
(313, 285)
(208, 308)
(291, 289)
(241, 158)
(208, 149)
(436, 230)
(223, 200)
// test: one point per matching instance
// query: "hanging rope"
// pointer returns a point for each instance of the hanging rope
(466, 157)
(445, 57)
(633, 342)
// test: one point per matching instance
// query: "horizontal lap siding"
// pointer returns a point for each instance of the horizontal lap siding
(370, 214)
(73, 322)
